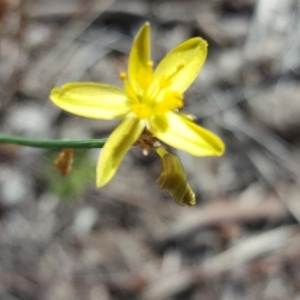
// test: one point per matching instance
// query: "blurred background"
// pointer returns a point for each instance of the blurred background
(62, 239)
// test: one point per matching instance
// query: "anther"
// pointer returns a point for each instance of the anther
(149, 64)
(122, 76)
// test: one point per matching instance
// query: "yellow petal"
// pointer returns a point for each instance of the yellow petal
(118, 143)
(181, 66)
(140, 69)
(183, 134)
(91, 100)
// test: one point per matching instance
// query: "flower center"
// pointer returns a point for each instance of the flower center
(155, 96)
(142, 110)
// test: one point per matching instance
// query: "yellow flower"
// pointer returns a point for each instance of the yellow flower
(149, 103)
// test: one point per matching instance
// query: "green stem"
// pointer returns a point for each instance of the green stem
(53, 144)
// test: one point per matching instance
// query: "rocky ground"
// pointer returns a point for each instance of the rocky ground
(62, 239)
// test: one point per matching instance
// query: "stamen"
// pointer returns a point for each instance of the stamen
(171, 100)
(123, 76)
(149, 64)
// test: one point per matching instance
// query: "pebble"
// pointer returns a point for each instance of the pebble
(15, 187)
(28, 120)
(85, 220)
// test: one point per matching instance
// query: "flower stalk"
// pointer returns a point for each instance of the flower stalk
(53, 144)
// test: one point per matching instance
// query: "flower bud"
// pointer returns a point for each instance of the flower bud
(173, 179)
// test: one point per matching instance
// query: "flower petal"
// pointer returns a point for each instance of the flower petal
(91, 100)
(139, 70)
(181, 66)
(181, 133)
(118, 143)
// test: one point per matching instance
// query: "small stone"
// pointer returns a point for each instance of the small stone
(28, 120)
(14, 188)
(85, 221)
(37, 35)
